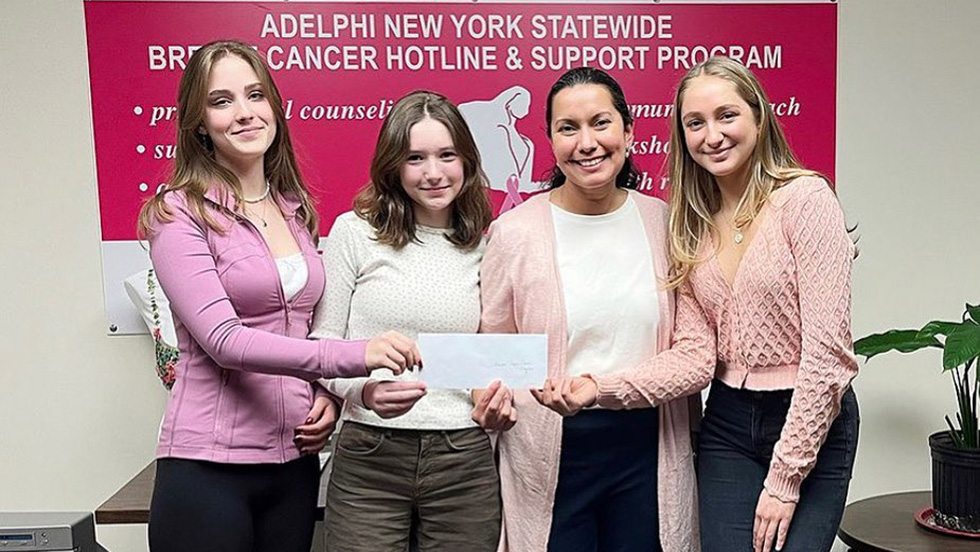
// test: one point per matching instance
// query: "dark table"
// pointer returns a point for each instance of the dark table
(885, 524)
(131, 503)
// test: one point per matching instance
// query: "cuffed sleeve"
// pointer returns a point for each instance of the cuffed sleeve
(823, 254)
(686, 368)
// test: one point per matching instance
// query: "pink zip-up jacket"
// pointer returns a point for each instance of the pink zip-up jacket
(245, 364)
(521, 293)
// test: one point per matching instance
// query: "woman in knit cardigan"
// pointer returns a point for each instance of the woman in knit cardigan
(762, 262)
(581, 264)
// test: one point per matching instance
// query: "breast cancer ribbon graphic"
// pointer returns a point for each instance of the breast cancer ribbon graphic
(513, 198)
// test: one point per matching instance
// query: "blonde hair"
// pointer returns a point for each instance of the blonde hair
(195, 168)
(694, 194)
(383, 202)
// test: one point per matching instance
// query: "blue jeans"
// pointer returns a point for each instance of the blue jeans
(606, 500)
(738, 433)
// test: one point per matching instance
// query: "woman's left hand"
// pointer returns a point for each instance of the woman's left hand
(311, 437)
(567, 396)
(493, 407)
(772, 519)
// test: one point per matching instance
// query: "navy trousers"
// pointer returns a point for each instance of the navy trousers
(738, 433)
(606, 499)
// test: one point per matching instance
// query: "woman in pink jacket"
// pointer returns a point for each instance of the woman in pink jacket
(232, 242)
(762, 262)
(581, 264)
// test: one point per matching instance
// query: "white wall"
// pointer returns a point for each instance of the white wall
(907, 167)
(79, 410)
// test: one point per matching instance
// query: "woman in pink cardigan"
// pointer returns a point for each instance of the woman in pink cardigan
(581, 264)
(762, 261)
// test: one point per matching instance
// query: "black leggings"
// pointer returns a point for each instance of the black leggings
(203, 506)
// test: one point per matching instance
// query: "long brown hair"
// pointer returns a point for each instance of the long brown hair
(694, 195)
(383, 202)
(195, 169)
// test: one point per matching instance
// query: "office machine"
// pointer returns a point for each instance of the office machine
(48, 532)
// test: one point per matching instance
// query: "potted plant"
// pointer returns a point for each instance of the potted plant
(955, 451)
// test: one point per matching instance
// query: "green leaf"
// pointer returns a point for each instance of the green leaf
(903, 341)
(938, 327)
(974, 312)
(962, 345)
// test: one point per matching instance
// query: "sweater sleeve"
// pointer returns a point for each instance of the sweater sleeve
(188, 274)
(341, 266)
(823, 255)
(686, 368)
(496, 287)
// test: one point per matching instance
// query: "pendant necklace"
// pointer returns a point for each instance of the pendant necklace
(737, 236)
(261, 199)
(262, 216)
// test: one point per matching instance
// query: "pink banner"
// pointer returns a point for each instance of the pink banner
(340, 66)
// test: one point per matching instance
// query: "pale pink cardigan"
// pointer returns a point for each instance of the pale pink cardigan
(521, 293)
(784, 323)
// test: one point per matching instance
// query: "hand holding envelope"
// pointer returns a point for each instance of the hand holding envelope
(491, 365)
(493, 407)
(473, 361)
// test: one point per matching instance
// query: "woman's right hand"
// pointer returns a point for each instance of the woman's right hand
(392, 398)
(393, 351)
(567, 396)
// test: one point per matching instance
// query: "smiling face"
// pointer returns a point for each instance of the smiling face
(238, 118)
(720, 129)
(588, 137)
(432, 173)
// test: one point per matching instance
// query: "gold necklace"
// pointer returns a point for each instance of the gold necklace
(261, 217)
(737, 236)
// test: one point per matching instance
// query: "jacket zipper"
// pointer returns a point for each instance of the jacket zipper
(285, 306)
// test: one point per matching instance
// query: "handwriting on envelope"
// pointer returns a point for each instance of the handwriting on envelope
(472, 361)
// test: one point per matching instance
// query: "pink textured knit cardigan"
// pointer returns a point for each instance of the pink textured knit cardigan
(784, 323)
(521, 293)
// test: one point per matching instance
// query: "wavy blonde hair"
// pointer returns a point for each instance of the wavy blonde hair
(195, 169)
(694, 194)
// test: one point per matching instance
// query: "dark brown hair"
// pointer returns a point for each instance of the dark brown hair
(383, 202)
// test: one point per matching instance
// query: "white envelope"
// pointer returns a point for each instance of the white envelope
(473, 361)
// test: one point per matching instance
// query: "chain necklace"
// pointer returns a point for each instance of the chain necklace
(261, 199)
(737, 236)
(261, 216)
(265, 194)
